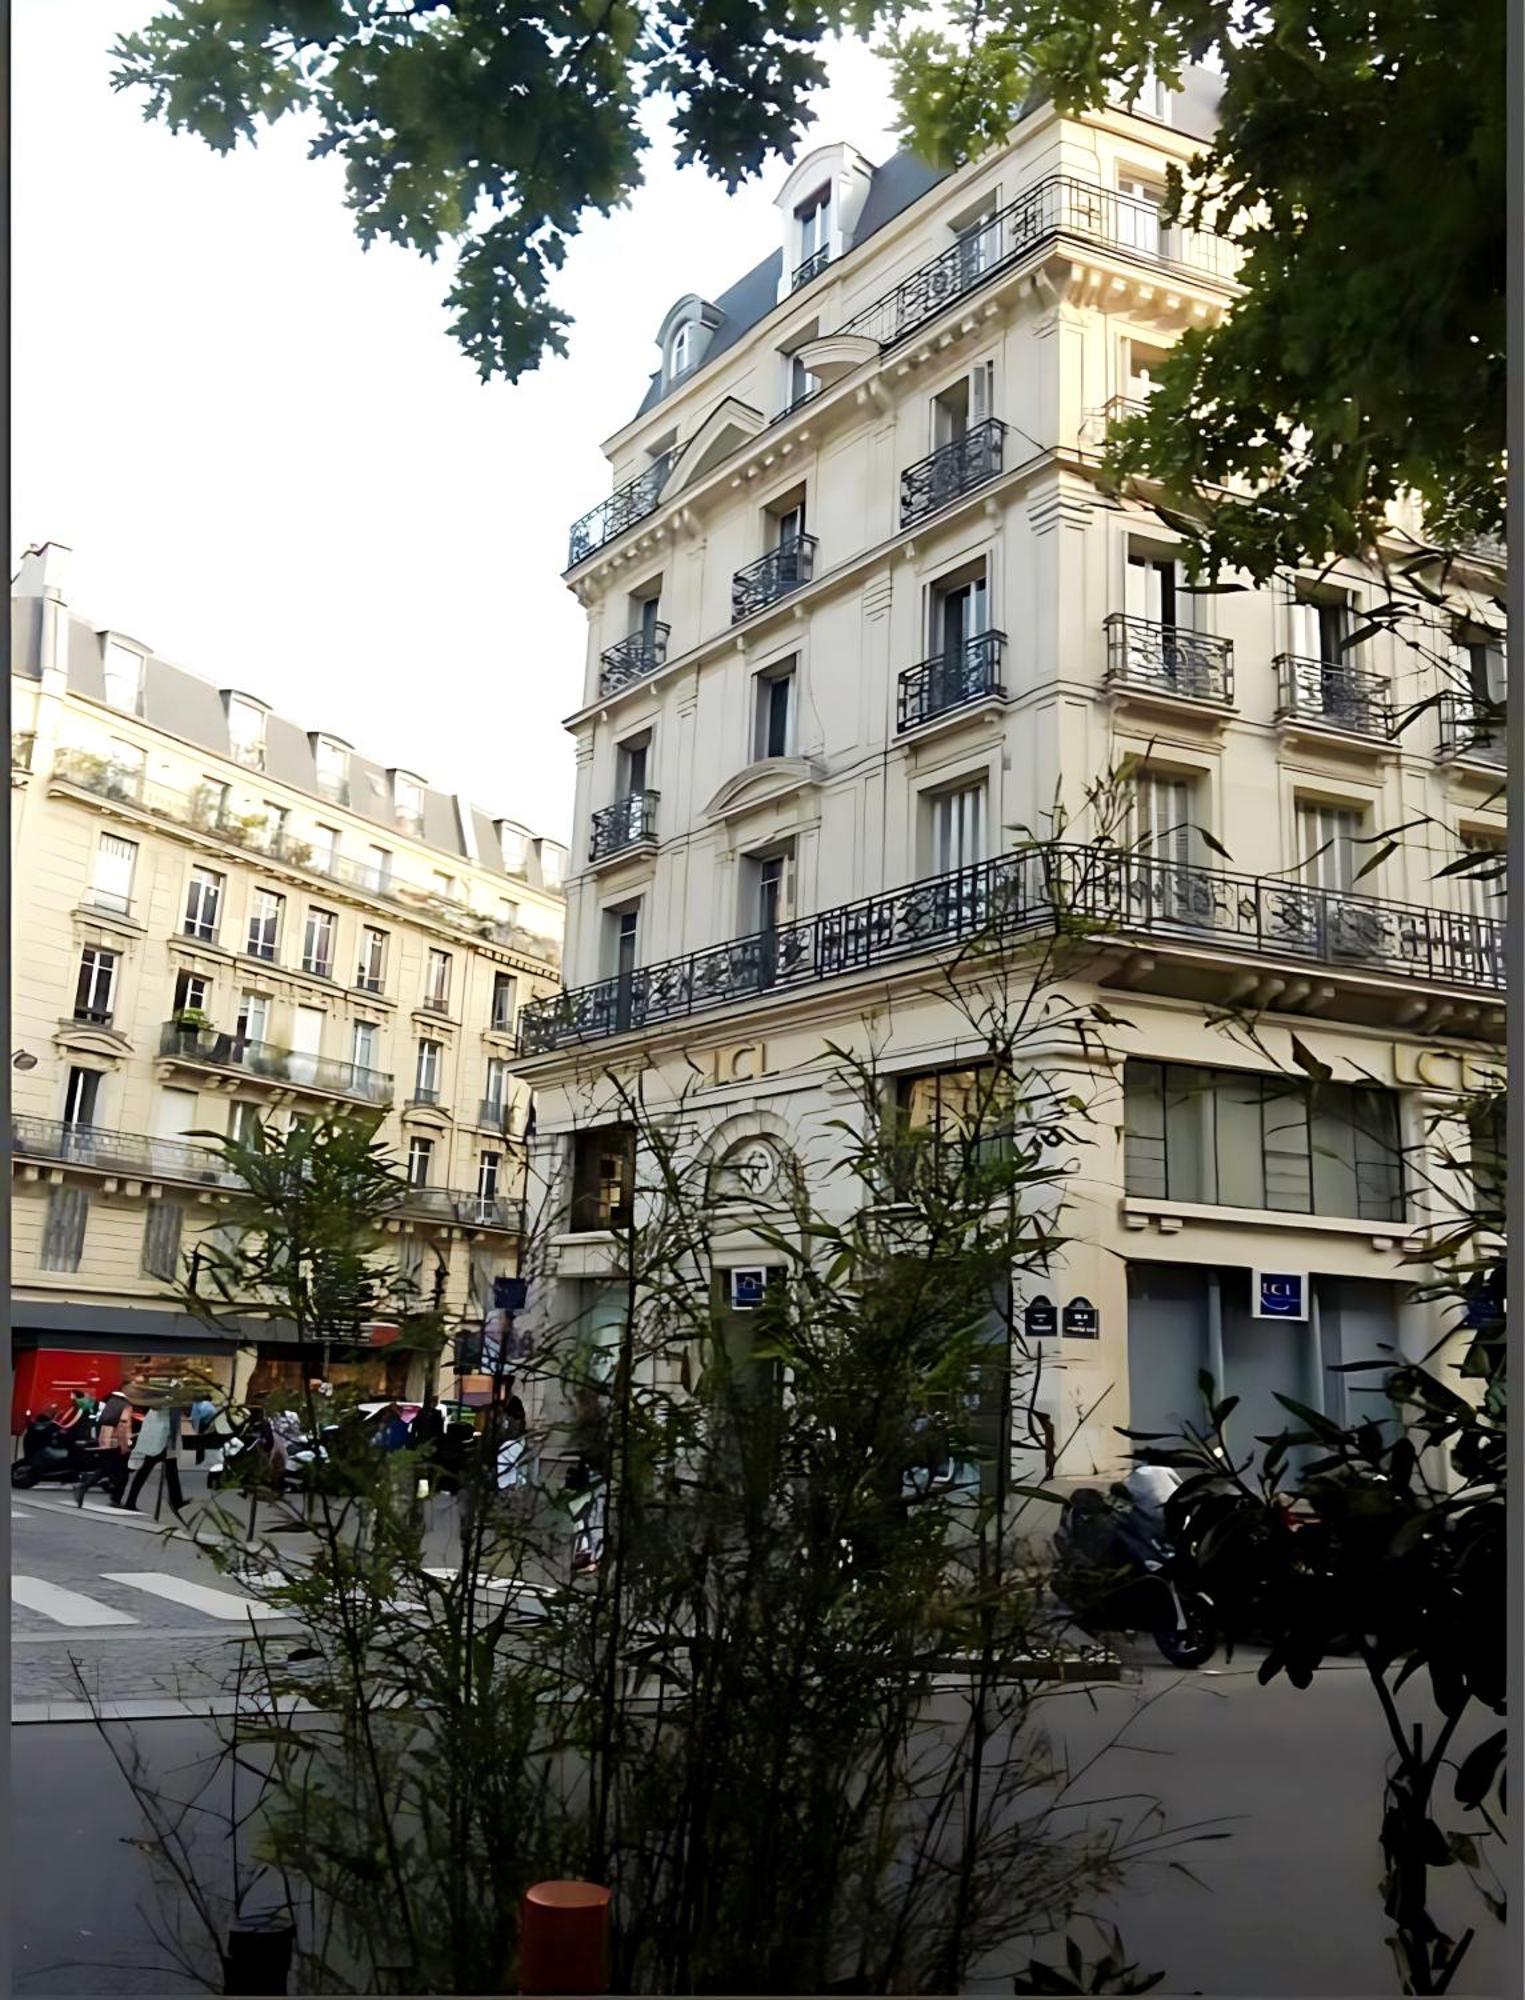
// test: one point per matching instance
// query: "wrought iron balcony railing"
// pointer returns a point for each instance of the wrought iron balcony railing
(1059, 205)
(133, 1153)
(1471, 728)
(633, 659)
(209, 1048)
(630, 503)
(950, 680)
(951, 470)
(1334, 694)
(472, 1211)
(1167, 659)
(1090, 893)
(627, 823)
(772, 576)
(812, 267)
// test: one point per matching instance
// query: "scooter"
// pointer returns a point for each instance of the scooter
(1117, 1570)
(48, 1451)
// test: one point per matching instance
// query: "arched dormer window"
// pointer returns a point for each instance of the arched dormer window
(819, 205)
(680, 351)
(684, 336)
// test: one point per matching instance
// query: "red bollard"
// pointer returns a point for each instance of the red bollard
(564, 1938)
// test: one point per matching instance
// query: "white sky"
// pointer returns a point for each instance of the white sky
(273, 464)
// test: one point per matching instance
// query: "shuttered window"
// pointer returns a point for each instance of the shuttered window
(958, 829)
(1327, 839)
(161, 1239)
(63, 1235)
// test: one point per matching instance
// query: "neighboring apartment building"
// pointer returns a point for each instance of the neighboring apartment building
(857, 612)
(220, 917)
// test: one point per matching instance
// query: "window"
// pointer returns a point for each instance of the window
(773, 712)
(1166, 819)
(1144, 364)
(243, 1123)
(203, 902)
(373, 958)
(191, 992)
(1487, 1122)
(377, 869)
(1485, 882)
(514, 846)
(331, 762)
(503, 985)
(958, 828)
(814, 219)
(977, 238)
(553, 864)
(96, 985)
(487, 1176)
(1321, 623)
(124, 677)
(772, 889)
(318, 943)
(363, 1045)
(508, 913)
(420, 1161)
(437, 981)
(325, 849)
(801, 384)
(1138, 214)
(254, 1017)
(1156, 590)
(265, 910)
(955, 1118)
(82, 1091)
(161, 1239)
(495, 1103)
(1327, 841)
(631, 760)
(788, 522)
(427, 1074)
(1487, 671)
(175, 1114)
(960, 612)
(963, 404)
(246, 732)
(443, 885)
(603, 1178)
(1243, 1140)
(111, 877)
(622, 930)
(680, 352)
(63, 1234)
(408, 802)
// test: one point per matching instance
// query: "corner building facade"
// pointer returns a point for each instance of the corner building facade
(858, 612)
(222, 917)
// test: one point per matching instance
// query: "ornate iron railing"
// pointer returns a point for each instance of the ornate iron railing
(630, 503)
(1168, 659)
(772, 576)
(1332, 693)
(812, 267)
(633, 659)
(1091, 893)
(211, 1049)
(951, 470)
(132, 1153)
(472, 1211)
(1059, 205)
(1471, 728)
(626, 823)
(950, 680)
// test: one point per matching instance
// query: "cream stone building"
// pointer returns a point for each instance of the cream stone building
(220, 916)
(858, 612)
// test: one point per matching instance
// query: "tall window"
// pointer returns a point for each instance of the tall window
(124, 677)
(111, 876)
(1166, 818)
(1155, 590)
(1138, 213)
(420, 1161)
(377, 868)
(243, 1122)
(82, 1091)
(437, 981)
(325, 849)
(364, 1045)
(254, 1017)
(774, 889)
(427, 1074)
(958, 828)
(246, 732)
(331, 761)
(960, 611)
(1485, 883)
(408, 801)
(161, 1239)
(773, 712)
(265, 910)
(788, 522)
(802, 384)
(318, 943)
(1241, 1139)
(1320, 627)
(503, 984)
(1327, 843)
(63, 1233)
(96, 987)
(373, 959)
(603, 1178)
(632, 759)
(203, 904)
(814, 218)
(680, 352)
(965, 403)
(487, 1176)
(495, 1103)
(192, 990)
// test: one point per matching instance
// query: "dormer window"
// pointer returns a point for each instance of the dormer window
(246, 732)
(124, 677)
(813, 223)
(408, 801)
(819, 206)
(331, 765)
(680, 352)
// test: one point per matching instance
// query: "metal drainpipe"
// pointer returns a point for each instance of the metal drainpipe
(1215, 1334)
(1316, 1350)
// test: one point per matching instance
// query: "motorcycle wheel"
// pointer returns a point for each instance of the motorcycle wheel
(1192, 1644)
(23, 1474)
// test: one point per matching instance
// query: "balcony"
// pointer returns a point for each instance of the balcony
(952, 680)
(632, 502)
(629, 822)
(208, 1048)
(23, 744)
(130, 1153)
(493, 1115)
(1096, 896)
(1057, 206)
(1471, 731)
(773, 576)
(952, 470)
(633, 659)
(470, 1211)
(1328, 694)
(1168, 660)
(812, 267)
(425, 1095)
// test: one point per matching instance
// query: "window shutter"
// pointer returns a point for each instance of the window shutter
(63, 1236)
(161, 1239)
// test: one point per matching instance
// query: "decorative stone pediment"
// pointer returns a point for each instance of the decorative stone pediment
(729, 426)
(81, 1038)
(766, 782)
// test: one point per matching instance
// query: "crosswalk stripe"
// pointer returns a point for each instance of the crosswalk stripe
(64, 1607)
(20, 1514)
(198, 1596)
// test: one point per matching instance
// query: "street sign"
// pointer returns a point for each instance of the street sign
(1041, 1319)
(747, 1288)
(1280, 1295)
(1081, 1321)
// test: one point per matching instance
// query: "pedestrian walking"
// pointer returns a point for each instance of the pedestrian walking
(203, 1425)
(114, 1442)
(158, 1444)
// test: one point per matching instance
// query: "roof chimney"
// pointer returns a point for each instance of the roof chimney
(44, 571)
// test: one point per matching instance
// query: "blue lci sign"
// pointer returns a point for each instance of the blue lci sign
(1281, 1295)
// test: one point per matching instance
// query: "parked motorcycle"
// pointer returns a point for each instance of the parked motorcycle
(48, 1451)
(1118, 1570)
